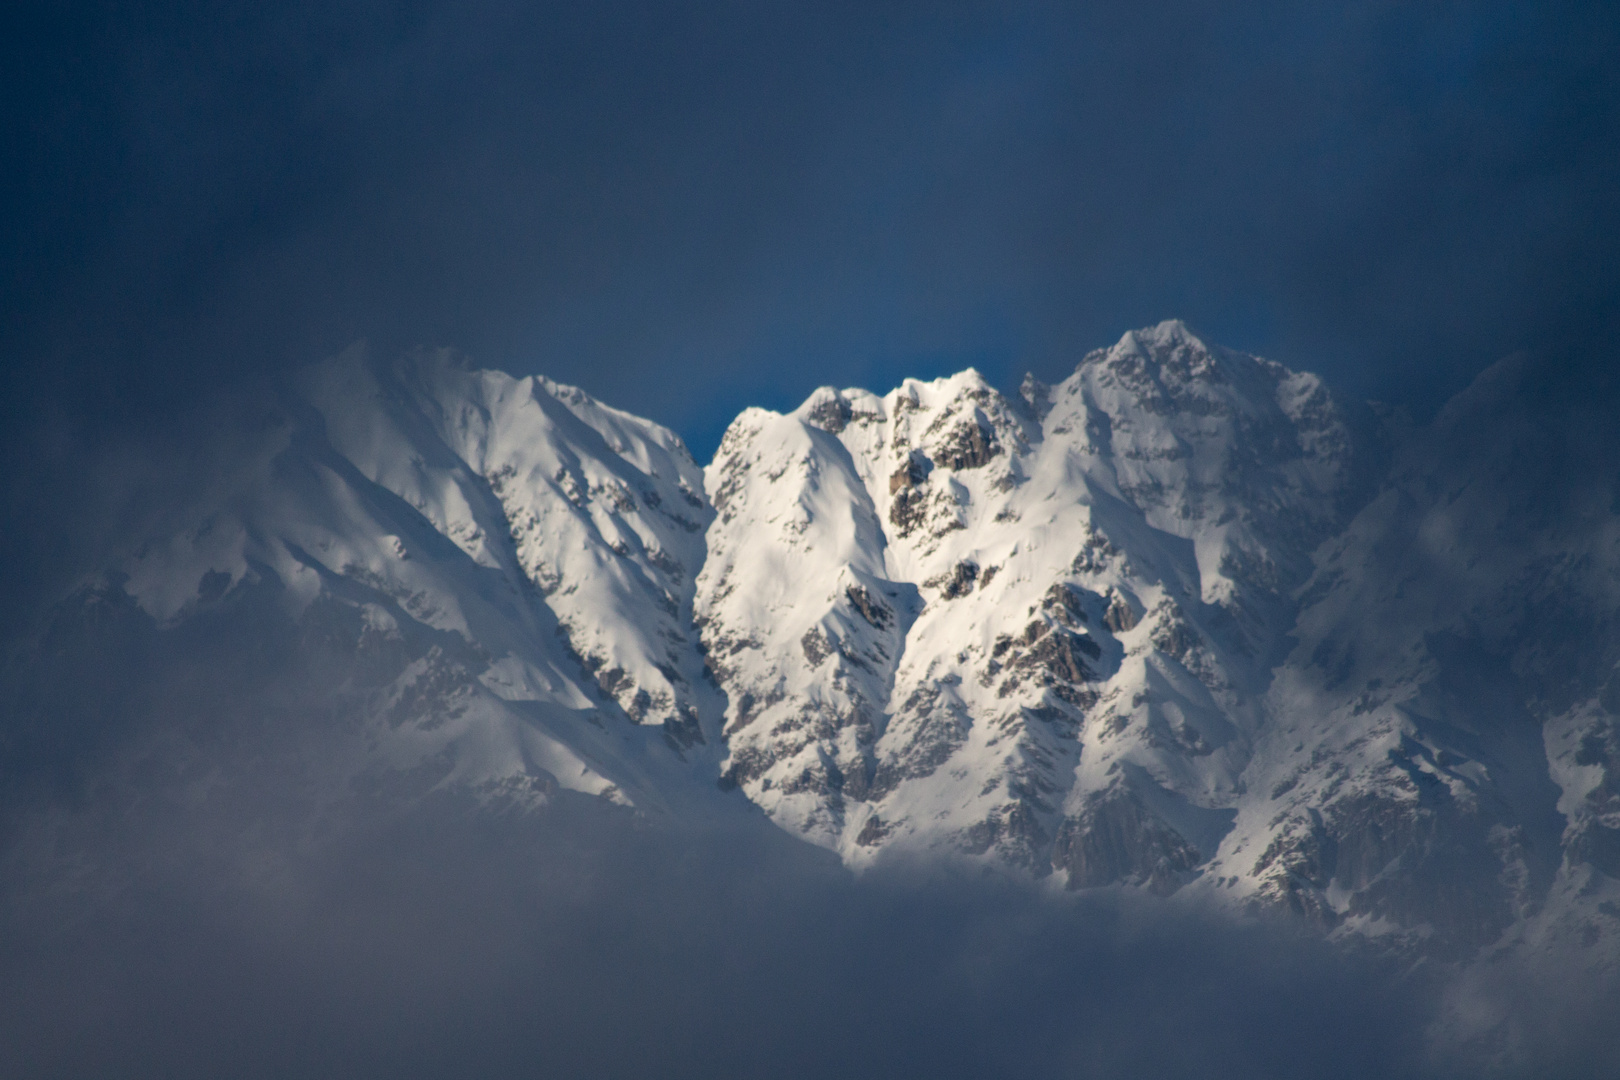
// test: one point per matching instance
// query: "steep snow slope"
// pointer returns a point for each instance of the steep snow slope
(506, 565)
(1036, 630)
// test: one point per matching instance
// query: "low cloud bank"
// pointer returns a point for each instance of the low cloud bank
(580, 941)
(235, 939)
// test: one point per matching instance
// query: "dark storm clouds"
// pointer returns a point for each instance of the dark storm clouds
(688, 209)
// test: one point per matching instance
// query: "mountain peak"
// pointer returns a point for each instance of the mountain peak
(1171, 350)
(1165, 335)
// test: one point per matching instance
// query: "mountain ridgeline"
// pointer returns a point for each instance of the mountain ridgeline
(1184, 623)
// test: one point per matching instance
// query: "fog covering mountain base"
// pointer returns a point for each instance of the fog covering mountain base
(414, 660)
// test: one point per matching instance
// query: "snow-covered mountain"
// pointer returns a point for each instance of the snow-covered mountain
(1442, 765)
(499, 571)
(1182, 623)
(1038, 631)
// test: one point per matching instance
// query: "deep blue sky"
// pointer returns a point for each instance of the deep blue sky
(691, 208)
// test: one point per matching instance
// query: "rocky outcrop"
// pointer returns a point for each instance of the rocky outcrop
(1114, 839)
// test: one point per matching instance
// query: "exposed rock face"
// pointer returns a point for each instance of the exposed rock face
(957, 582)
(1114, 838)
(970, 444)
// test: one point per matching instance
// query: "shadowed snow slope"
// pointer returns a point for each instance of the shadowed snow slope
(498, 572)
